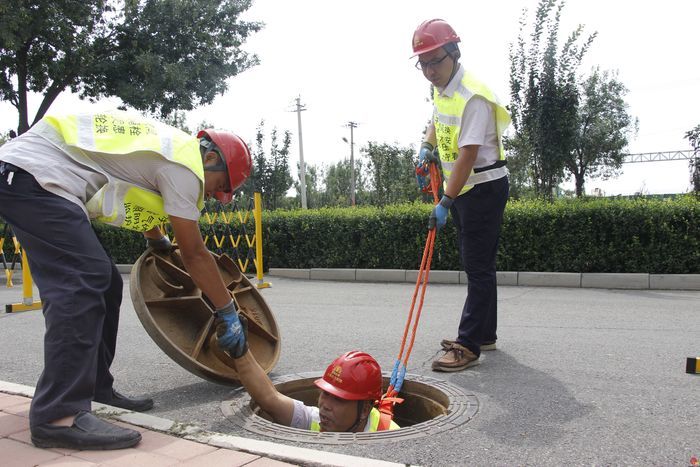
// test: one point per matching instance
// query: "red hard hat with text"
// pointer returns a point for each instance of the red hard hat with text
(432, 34)
(237, 157)
(353, 376)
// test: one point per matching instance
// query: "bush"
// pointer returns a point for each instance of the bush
(659, 236)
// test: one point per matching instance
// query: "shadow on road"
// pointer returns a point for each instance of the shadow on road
(519, 404)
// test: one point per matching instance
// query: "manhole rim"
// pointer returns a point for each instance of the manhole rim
(462, 408)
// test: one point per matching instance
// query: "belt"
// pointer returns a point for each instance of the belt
(495, 165)
(6, 167)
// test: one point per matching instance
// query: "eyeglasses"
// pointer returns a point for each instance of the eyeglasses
(431, 64)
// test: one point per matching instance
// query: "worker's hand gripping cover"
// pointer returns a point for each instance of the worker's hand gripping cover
(232, 331)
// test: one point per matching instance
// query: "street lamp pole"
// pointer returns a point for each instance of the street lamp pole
(352, 126)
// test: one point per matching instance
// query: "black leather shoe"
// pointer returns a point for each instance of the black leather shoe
(123, 402)
(87, 433)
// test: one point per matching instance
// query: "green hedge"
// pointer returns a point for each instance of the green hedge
(589, 235)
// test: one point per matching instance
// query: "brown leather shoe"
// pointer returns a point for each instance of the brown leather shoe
(446, 344)
(456, 358)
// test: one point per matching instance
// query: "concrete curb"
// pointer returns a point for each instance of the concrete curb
(282, 452)
(639, 281)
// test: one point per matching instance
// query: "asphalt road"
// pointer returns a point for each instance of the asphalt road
(581, 377)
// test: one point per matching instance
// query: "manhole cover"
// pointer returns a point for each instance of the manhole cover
(180, 319)
(431, 406)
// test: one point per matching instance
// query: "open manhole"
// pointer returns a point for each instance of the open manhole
(180, 319)
(430, 406)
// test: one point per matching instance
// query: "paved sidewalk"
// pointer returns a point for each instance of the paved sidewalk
(163, 443)
(155, 449)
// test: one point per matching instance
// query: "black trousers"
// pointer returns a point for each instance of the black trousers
(478, 215)
(81, 292)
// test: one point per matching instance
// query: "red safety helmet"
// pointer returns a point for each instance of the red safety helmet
(236, 156)
(432, 34)
(354, 376)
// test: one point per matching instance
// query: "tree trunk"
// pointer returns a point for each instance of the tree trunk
(49, 97)
(580, 180)
(23, 124)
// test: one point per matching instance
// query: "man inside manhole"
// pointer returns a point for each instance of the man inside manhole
(350, 388)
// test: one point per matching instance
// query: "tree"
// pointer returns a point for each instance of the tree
(602, 129)
(271, 175)
(391, 173)
(4, 138)
(337, 183)
(155, 55)
(177, 119)
(693, 136)
(544, 98)
(315, 197)
(280, 177)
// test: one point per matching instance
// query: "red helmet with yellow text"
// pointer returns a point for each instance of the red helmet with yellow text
(431, 35)
(236, 155)
(354, 376)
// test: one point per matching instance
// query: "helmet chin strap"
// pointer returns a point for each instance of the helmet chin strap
(205, 147)
(359, 419)
(455, 67)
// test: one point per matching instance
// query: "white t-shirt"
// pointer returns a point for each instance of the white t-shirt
(478, 124)
(50, 162)
(304, 415)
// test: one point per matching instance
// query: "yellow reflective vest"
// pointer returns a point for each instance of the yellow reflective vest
(373, 422)
(448, 120)
(118, 202)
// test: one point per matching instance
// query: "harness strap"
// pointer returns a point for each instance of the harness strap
(386, 404)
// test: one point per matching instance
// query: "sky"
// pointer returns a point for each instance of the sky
(350, 61)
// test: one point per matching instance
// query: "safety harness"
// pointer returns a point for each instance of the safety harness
(389, 399)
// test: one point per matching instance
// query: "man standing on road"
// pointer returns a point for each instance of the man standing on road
(466, 129)
(130, 172)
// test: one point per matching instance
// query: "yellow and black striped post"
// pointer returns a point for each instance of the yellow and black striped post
(692, 365)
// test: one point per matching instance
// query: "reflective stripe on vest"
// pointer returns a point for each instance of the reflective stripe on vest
(448, 121)
(115, 132)
(373, 422)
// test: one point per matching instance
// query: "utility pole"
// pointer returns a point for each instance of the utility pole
(302, 169)
(352, 126)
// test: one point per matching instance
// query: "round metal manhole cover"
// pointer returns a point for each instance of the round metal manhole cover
(180, 320)
(430, 406)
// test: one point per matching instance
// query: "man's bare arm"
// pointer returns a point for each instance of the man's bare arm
(199, 262)
(261, 389)
(461, 170)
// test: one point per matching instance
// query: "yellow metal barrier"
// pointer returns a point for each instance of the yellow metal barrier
(246, 248)
(258, 243)
(253, 243)
(28, 302)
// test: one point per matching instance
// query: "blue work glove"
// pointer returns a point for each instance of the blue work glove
(438, 218)
(232, 331)
(425, 153)
(425, 156)
(162, 244)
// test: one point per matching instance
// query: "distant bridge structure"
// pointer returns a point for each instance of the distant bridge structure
(658, 156)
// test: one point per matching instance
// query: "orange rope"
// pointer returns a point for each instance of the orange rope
(389, 399)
